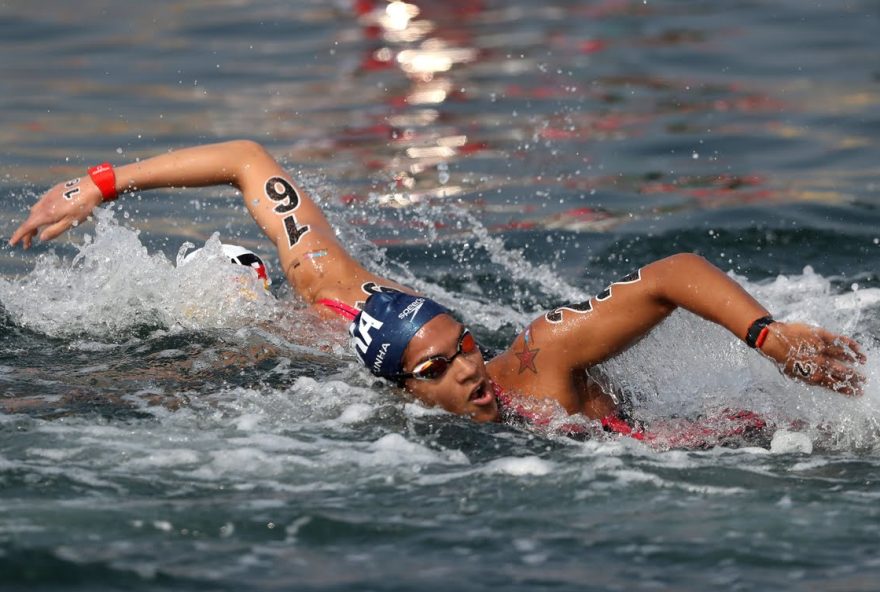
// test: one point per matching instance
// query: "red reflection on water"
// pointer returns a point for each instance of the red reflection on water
(420, 41)
(416, 50)
(592, 45)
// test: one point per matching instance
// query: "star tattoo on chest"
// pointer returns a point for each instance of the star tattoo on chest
(527, 356)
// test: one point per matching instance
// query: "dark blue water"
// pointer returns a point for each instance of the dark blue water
(163, 428)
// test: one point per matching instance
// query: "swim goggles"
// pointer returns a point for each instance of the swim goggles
(436, 366)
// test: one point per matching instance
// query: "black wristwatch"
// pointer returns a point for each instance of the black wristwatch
(757, 332)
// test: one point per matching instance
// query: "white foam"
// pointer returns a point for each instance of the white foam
(633, 476)
(306, 401)
(785, 442)
(271, 443)
(55, 454)
(163, 525)
(675, 459)
(92, 369)
(241, 462)
(753, 450)
(394, 449)
(248, 422)
(356, 413)
(420, 410)
(520, 466)
(809, 465)
(169, 457)
(114, 284)
(92, 346)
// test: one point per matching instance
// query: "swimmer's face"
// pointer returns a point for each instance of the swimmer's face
(464, 388)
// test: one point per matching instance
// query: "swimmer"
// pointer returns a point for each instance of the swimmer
(418, 344)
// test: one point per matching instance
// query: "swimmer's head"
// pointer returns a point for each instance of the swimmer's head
(240, 256)
(383, 329)
(417, 343)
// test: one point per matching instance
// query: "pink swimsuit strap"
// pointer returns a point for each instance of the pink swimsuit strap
(340, 308)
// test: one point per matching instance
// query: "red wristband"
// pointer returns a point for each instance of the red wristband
(104, 177)
(762, 336)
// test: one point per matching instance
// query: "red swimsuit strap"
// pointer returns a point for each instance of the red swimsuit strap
(611, 423)
(340, 308)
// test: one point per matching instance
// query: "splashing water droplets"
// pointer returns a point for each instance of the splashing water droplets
(114, 286)
(710, 370)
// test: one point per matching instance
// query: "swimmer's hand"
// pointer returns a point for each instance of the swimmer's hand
(816, 356)
(61, 207)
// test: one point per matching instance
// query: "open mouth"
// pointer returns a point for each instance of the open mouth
(482, 394)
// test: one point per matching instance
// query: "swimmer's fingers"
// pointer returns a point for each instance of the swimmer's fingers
(24, 233)
(29, 228)
(57, 210)
(816, 356)
(843, 378)
(54, 230)
(843, 348)
(831, 374)
(836, 347)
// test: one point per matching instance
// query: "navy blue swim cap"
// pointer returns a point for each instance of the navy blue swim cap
(385, 326)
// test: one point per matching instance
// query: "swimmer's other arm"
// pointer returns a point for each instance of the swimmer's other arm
(285, 212)
(629, 309)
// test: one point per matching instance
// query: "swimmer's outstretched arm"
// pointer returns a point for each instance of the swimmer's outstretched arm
(314, 261)
(588, 333)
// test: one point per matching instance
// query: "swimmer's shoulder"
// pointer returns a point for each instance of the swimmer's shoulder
(532, 367)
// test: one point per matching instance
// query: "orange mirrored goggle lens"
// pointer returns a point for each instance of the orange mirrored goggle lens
(436, 367)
